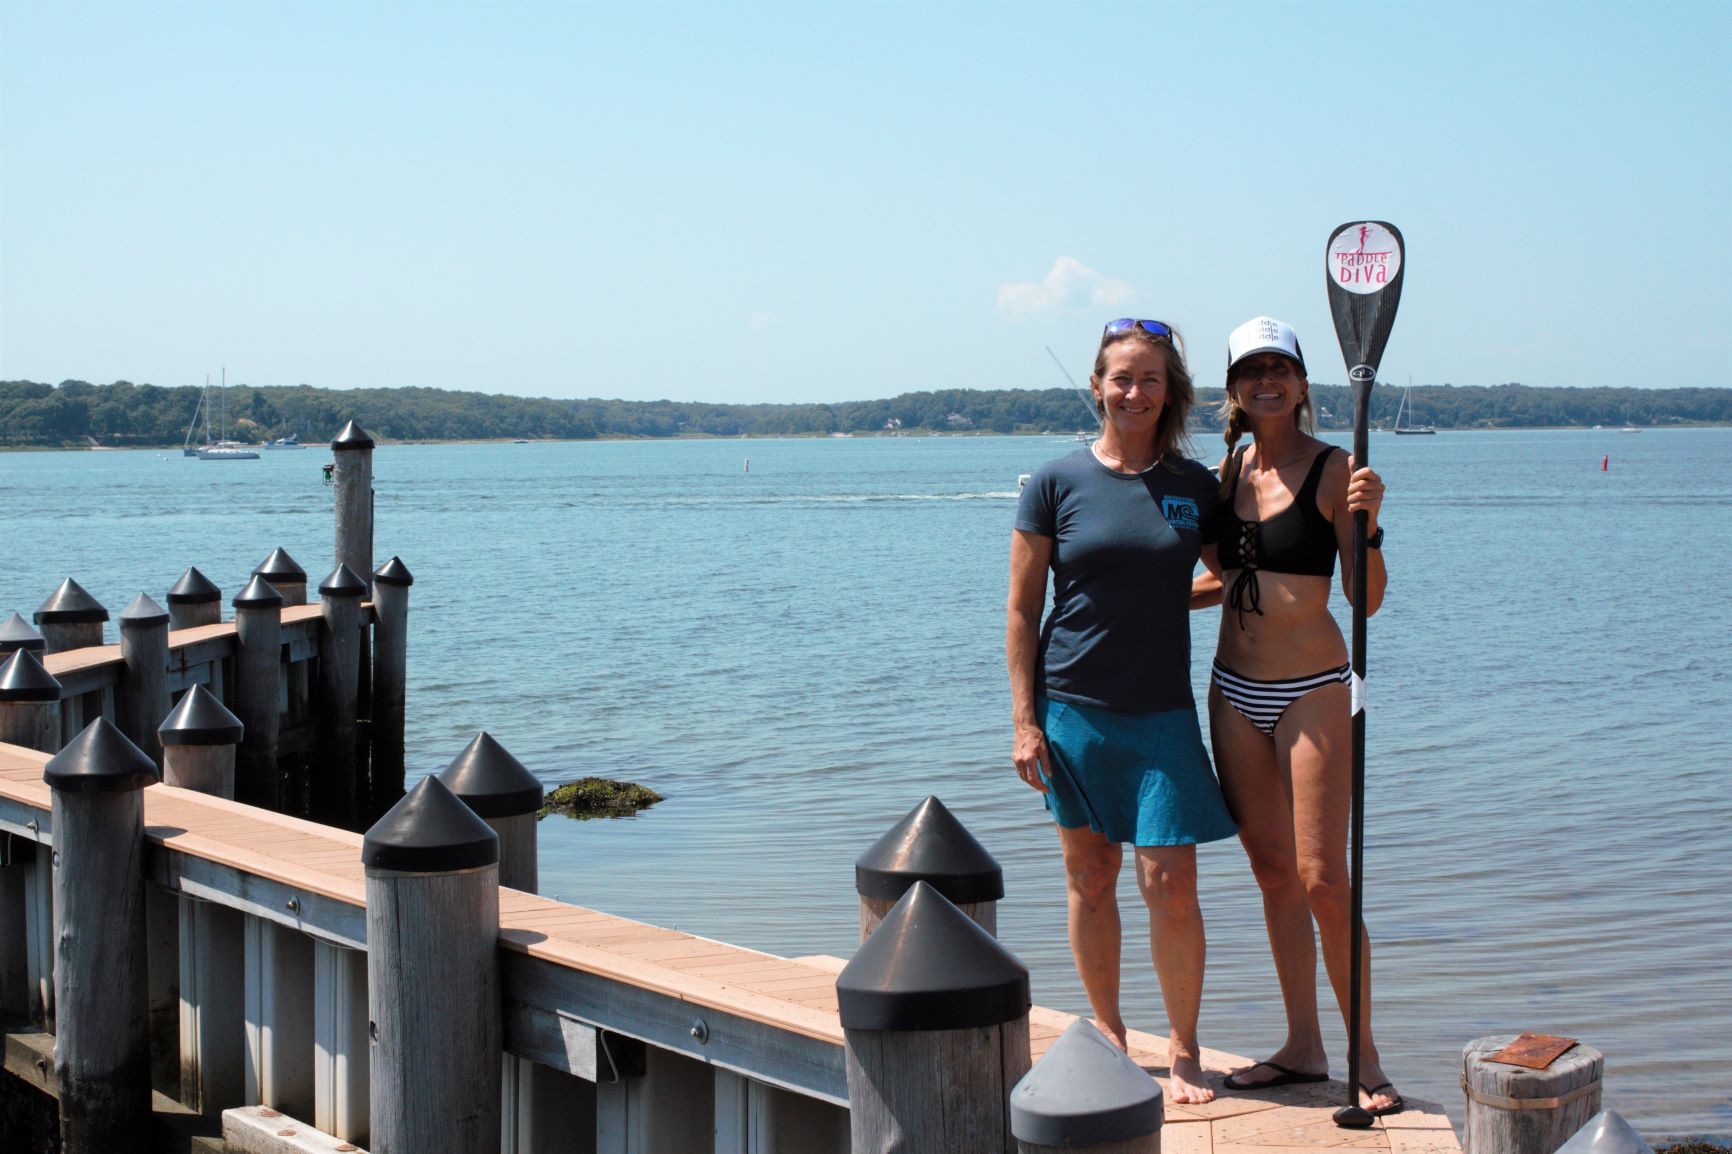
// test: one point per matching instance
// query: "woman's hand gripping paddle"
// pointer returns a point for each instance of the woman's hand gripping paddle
(1365, 268)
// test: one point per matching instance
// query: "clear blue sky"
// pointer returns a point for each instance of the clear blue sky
(780, 202)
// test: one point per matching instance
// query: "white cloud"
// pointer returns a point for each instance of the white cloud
(1069, 284)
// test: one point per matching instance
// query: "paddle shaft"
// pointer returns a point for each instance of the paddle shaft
(1356, 937)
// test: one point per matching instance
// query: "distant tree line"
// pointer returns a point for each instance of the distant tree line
(125, 414)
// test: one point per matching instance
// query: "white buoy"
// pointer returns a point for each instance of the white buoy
(748, 467)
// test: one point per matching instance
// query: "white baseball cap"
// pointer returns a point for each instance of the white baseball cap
(1263, 335)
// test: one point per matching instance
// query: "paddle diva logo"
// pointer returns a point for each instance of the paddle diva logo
(1364, 258)
(1180, 512)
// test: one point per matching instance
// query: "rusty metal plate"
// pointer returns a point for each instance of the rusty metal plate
(1535, 1051)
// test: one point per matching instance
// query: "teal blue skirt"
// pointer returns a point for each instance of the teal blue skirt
(1142, 778)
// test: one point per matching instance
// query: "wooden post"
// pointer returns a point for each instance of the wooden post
(1086, 1094)
(505, 795)
(101, 1045)
(353, 480)
(29, 703)
(288, 578)
(1516, 1110)
(390, 680)
(935, 1020)
(70, 618)
(257, 690)
(928, 845)
(334, 787)
(142, 701)
(16, 634)
(278, 992)
(198, 744)
(194, 601)
(432, 871)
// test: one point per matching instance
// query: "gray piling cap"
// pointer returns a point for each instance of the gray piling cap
(200, 719)
(99, 760)
(343, 582)
(928, 966)
(429, 831)
(353, 436)
(23, 678)
(492, 782)
(70, 605)
(1606, 1133)
(394, 572)
(16, 633)
(259, 594)
(281, 569)
(929, 845)
(1084, 1091)
(143, 613)
(194, 588)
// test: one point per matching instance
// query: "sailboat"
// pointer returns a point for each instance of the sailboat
(224, 449)
(187, 448)
(1406, 409)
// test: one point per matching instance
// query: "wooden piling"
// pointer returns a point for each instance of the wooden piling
(288, 578)
(432, 872)
(1086, 1094)
(29, 703)
(101, 1046)
(935, 1021)
(334, 788)
(198, 742)
(70, 618)
(257, 690)
(352, 478)
(928, 845)
(16, 634)
(505, 795)
(1517, 1110)
(193, 601)
(390, 682)
(141, 702)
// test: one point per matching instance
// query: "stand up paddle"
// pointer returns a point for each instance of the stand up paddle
(1364, 269)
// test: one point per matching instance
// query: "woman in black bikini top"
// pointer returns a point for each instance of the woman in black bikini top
(1280, 722)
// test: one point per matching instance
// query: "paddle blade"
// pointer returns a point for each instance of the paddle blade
(1365, 269)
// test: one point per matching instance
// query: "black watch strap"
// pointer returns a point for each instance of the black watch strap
(1375, 541)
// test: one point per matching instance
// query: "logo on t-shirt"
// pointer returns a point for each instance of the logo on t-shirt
(1180, 512)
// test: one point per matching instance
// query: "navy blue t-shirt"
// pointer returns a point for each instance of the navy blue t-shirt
(1125, 546)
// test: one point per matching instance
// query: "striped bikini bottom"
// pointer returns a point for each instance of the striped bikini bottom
(1263, 702)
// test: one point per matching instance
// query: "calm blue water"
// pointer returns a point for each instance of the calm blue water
(795, 655)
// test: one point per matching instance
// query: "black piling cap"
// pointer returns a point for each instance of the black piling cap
(1084, 1091)
(200, 719)
(492, 782)
(429, 831)
(929, 967)
(353, 436)
(394, 572)
(70, 605)
(22, 678)
(194, 588)
(1606, 1133)
(143, 613)
(343, 582)
(281, 569)
(929, 845)
(259, 594)
(16, 633)
(99, 760)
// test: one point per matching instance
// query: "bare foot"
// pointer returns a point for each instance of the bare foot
(1185, 1082)
(1115, 1034)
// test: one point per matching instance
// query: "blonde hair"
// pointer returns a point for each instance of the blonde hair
(1171, 438)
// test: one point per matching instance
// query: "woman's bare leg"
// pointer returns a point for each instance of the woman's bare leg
(1260, 796)
(1167, 877)
(1091, 869)
(1314, 738)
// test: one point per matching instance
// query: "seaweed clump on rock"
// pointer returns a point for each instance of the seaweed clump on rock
(592, 797)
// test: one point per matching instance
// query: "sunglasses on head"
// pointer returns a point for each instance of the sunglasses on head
(1126, 324)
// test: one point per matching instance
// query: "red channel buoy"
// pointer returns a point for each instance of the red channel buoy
(1606, 463)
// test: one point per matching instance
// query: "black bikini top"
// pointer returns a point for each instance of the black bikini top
(1298, 539)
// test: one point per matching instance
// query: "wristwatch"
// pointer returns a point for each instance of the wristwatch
(1375, 541)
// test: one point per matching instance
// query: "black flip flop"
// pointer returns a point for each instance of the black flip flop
(1287, 1077)
(1394, 1107)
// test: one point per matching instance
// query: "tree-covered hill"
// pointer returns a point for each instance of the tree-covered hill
(125, 414)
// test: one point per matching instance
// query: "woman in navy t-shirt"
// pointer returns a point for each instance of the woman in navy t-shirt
(1106, 726)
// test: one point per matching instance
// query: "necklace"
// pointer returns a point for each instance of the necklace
(1135, 468)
